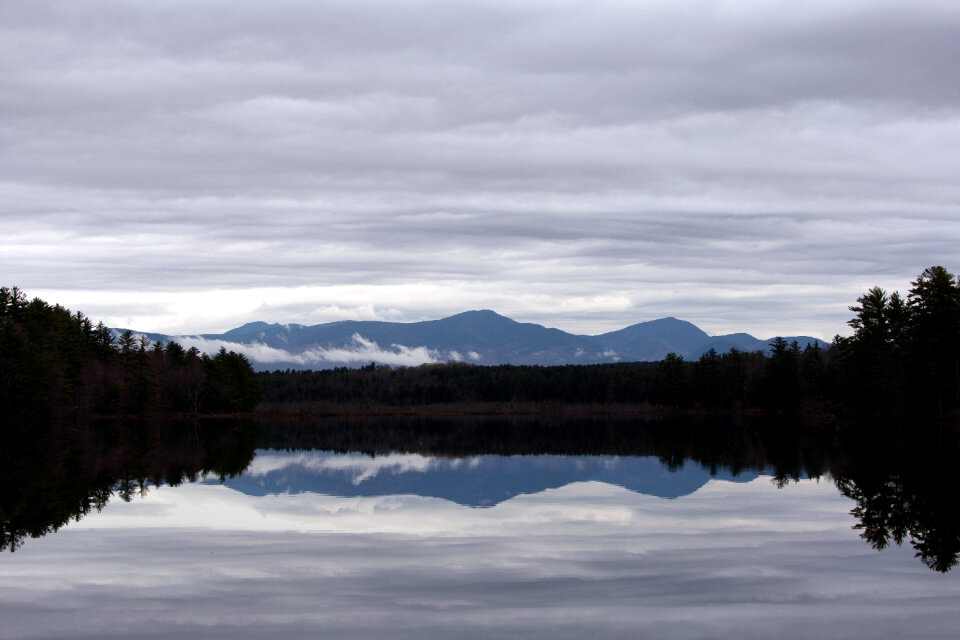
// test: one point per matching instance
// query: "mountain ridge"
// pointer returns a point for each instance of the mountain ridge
(479, 336)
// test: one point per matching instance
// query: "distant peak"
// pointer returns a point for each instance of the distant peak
(251, 327)
(479, 312)
(485, 314)
(664, 322)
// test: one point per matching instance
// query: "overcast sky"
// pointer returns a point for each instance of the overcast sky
(747, 166)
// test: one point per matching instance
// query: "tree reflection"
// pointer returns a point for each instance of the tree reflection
(904, 486)
(50, 476)
(901, 479)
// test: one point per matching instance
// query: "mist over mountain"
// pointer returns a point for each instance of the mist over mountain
(479, 337)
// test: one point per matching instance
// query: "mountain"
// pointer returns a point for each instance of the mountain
(722, 344)
(653, 340)
(480, 337)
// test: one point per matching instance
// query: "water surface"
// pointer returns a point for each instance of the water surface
(314, 543)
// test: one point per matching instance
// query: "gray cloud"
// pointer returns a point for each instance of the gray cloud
(755, 166)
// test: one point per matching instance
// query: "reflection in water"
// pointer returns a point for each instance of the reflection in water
(632, 538)
(902, 479)
(905, 487)
(52, 475)
(902, 482)
(588, 559)
(477, 481)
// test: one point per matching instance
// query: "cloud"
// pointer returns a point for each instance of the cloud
(368, 351)
(584, 165)
(360, 351)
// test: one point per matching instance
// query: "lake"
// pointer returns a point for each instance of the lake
(396, 530)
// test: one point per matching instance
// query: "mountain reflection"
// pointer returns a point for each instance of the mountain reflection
(478, 481)
(902, 480)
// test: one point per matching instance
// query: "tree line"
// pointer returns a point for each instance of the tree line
(736, 379)
(904, 355)
(55, 364)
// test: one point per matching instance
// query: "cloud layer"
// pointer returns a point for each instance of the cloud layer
(359, 351)
(745, 166)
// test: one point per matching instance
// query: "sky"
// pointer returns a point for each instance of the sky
(186, 167)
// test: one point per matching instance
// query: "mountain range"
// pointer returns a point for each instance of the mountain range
(479, 337)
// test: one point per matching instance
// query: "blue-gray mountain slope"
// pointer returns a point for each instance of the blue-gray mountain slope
(653, 340)
(480, 337)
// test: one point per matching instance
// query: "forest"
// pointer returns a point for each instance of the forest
(902, 358)
(58, 365)
(790, 379)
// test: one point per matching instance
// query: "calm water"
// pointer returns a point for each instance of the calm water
(312, 543)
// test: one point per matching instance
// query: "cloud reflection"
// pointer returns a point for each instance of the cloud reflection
(731, 560)
(359, 466)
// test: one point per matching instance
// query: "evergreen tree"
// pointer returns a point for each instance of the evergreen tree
(707, 379)
(782, 376)
(55, 364)
(670, 383)
(934, 329)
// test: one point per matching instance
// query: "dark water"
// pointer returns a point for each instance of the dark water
(480, 528)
